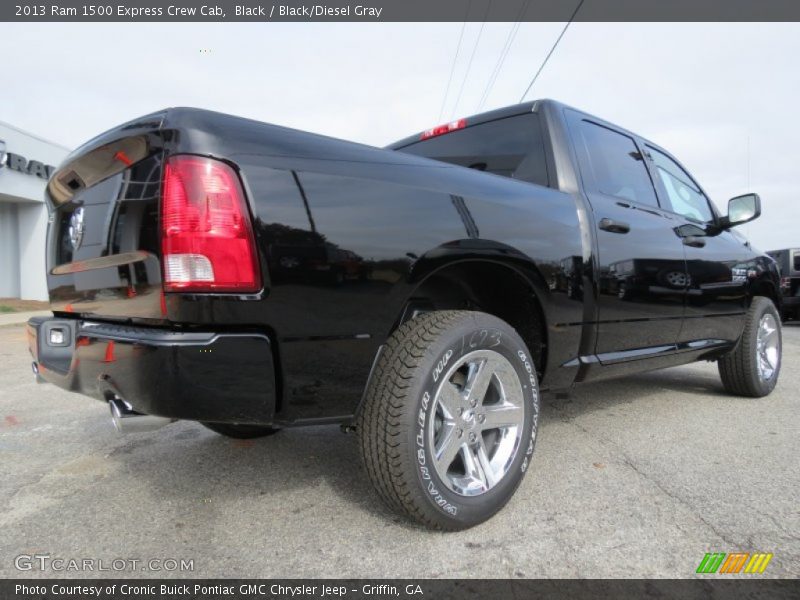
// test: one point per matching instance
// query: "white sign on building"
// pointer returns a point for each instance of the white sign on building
(26, 162)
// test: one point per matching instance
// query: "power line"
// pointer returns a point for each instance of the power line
(512, 34)
(498, 65)
(549, 54)
(471, 57)
(453, 66)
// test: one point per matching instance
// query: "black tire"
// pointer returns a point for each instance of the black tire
(240, 432)
(740, 371)
(397, 421)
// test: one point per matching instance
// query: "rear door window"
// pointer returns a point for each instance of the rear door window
(511, 147)
(611, 164)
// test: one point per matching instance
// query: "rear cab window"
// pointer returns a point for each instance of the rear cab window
(511, 146)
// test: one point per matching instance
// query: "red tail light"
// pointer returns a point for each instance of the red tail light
(206, 236)
(442, 129)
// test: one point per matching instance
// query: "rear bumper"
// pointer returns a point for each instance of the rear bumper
(202, 376)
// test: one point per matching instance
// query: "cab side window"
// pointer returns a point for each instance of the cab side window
(683, 194)
(613, 164)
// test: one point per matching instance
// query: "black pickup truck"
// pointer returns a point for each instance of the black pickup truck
(788, 261)
(251, 277)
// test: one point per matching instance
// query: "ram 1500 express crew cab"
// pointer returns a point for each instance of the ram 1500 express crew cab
(251, 277)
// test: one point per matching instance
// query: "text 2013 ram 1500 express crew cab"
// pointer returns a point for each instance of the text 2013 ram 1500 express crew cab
(252, 277)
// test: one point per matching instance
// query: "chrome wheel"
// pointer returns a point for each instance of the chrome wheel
(767, 347)
(477, 421)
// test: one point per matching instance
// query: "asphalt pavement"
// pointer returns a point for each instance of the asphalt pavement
(637, 477)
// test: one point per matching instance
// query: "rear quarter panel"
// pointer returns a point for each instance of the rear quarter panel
(348, 241)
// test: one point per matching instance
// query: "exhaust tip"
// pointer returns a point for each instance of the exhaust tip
(116, 408)
(37, 377)
(127, 420)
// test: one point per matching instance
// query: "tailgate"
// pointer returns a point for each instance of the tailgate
(103, 242)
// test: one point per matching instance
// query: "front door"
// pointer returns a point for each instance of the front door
(718, 265)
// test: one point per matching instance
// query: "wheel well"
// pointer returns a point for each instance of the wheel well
(767, 289)
(489, 287)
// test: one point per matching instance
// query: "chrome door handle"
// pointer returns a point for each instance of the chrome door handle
(694, 242)
(613, 226)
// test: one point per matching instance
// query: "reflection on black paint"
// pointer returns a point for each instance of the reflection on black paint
(569, 277)
(644, 280)
(306, 257)
(470, 227)
(120, 216)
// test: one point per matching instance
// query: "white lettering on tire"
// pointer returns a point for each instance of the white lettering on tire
(422, 418)
(441, 365)
(535, 395)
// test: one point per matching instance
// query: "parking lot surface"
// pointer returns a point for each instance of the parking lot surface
(636, 477)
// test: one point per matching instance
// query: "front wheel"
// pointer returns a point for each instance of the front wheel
(752, 368)
(449, 421)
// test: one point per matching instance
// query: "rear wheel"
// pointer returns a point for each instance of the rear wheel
(241, 432)
(449, 421)
(752, 368)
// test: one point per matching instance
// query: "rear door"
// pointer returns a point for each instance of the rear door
(640, 260)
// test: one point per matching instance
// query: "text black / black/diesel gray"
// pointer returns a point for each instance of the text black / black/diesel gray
(252, 277)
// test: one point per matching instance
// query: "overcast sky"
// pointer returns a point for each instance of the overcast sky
(722, 97)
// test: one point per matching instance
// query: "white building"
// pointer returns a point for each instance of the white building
(26, 162)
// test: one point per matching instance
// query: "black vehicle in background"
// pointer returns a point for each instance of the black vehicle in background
(251, 277)
(788, 261)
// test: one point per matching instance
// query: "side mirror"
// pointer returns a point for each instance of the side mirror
(742, 209)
